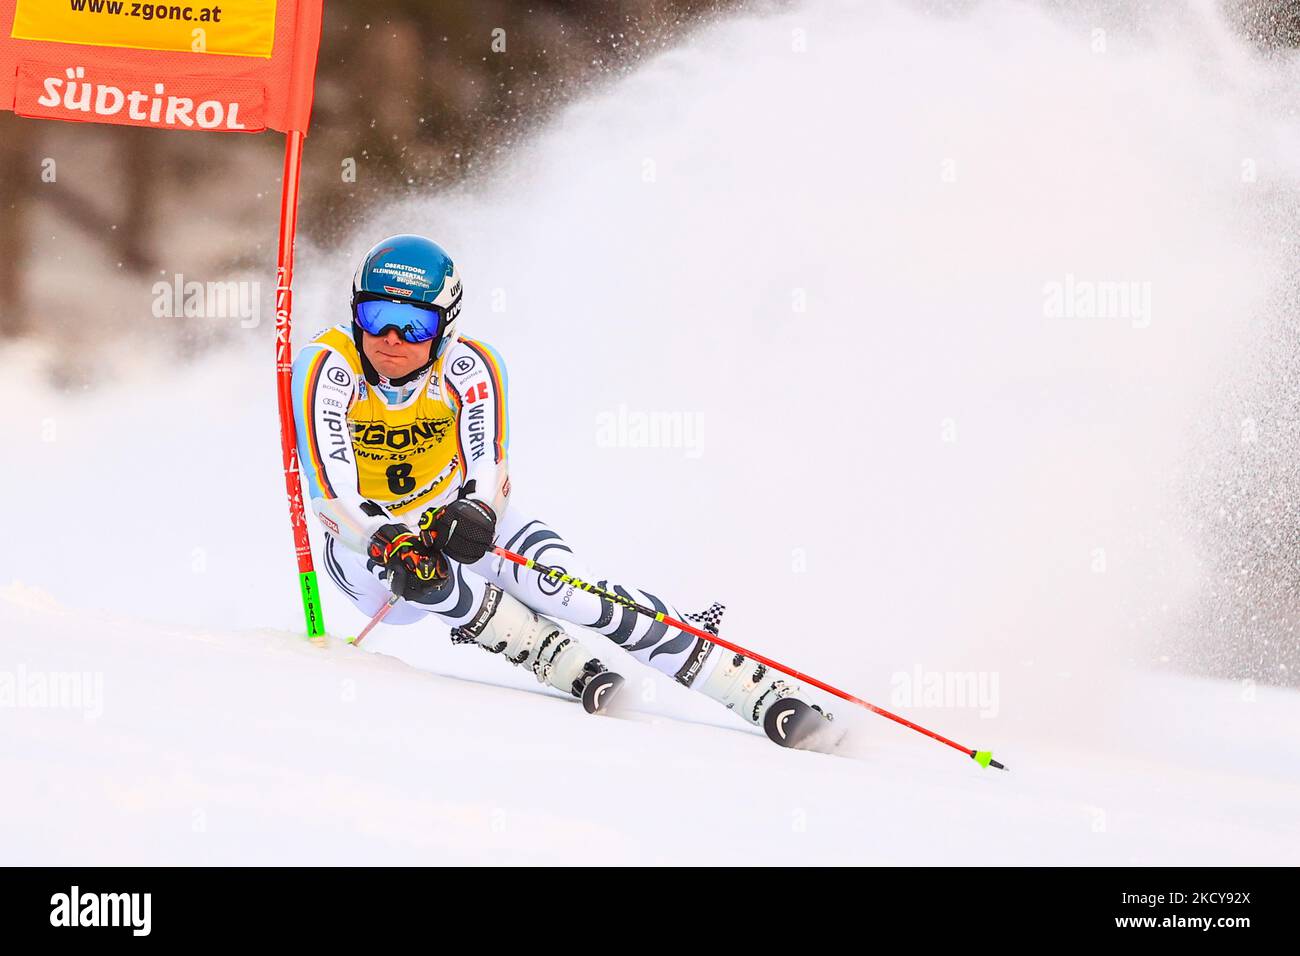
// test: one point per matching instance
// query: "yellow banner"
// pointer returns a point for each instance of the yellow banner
(230, 27)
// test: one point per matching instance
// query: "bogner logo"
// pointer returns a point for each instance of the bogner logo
(477, 432)
(401, 437)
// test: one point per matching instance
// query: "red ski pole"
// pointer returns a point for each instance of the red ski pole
(983, 757)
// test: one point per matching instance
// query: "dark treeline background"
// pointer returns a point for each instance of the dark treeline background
(417, 93)
(413, 91)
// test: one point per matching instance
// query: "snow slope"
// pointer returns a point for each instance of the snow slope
(254, 747)
(829, 262)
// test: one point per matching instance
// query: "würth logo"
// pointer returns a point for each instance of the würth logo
(75, 908)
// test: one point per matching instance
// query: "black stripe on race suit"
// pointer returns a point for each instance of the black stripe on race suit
(510, 545)
(534, 539)
(606, 609)
(681, 642)
(657, 629)
(626, 624)
(678, 644)
(336, 570)
(464, 596)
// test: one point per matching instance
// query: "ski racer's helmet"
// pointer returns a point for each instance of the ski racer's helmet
(410, 284)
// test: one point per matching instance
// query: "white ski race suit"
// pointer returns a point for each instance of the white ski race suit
(374, 452)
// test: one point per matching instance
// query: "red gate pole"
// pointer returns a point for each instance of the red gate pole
(311, 607)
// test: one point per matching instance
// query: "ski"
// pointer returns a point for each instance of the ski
(600, 692)
(792, 723)
(789, 723)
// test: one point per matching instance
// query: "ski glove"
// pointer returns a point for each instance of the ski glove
(414, 573)
(462, 530)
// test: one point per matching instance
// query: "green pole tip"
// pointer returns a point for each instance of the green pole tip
(985, 759)
(350, 640)
(310, 608)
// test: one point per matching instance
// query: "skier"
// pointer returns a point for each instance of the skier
(403, 435)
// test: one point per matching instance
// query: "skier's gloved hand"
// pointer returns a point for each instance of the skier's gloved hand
(414, 573)
(462, 530)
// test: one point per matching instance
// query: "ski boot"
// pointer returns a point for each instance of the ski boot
(504, 625)
(766, 698)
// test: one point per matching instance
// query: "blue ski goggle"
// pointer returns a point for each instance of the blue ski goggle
(413, 321)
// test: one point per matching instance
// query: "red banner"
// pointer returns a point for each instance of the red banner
(235, 66)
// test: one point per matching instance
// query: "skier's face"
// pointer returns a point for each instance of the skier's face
(393, 356)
